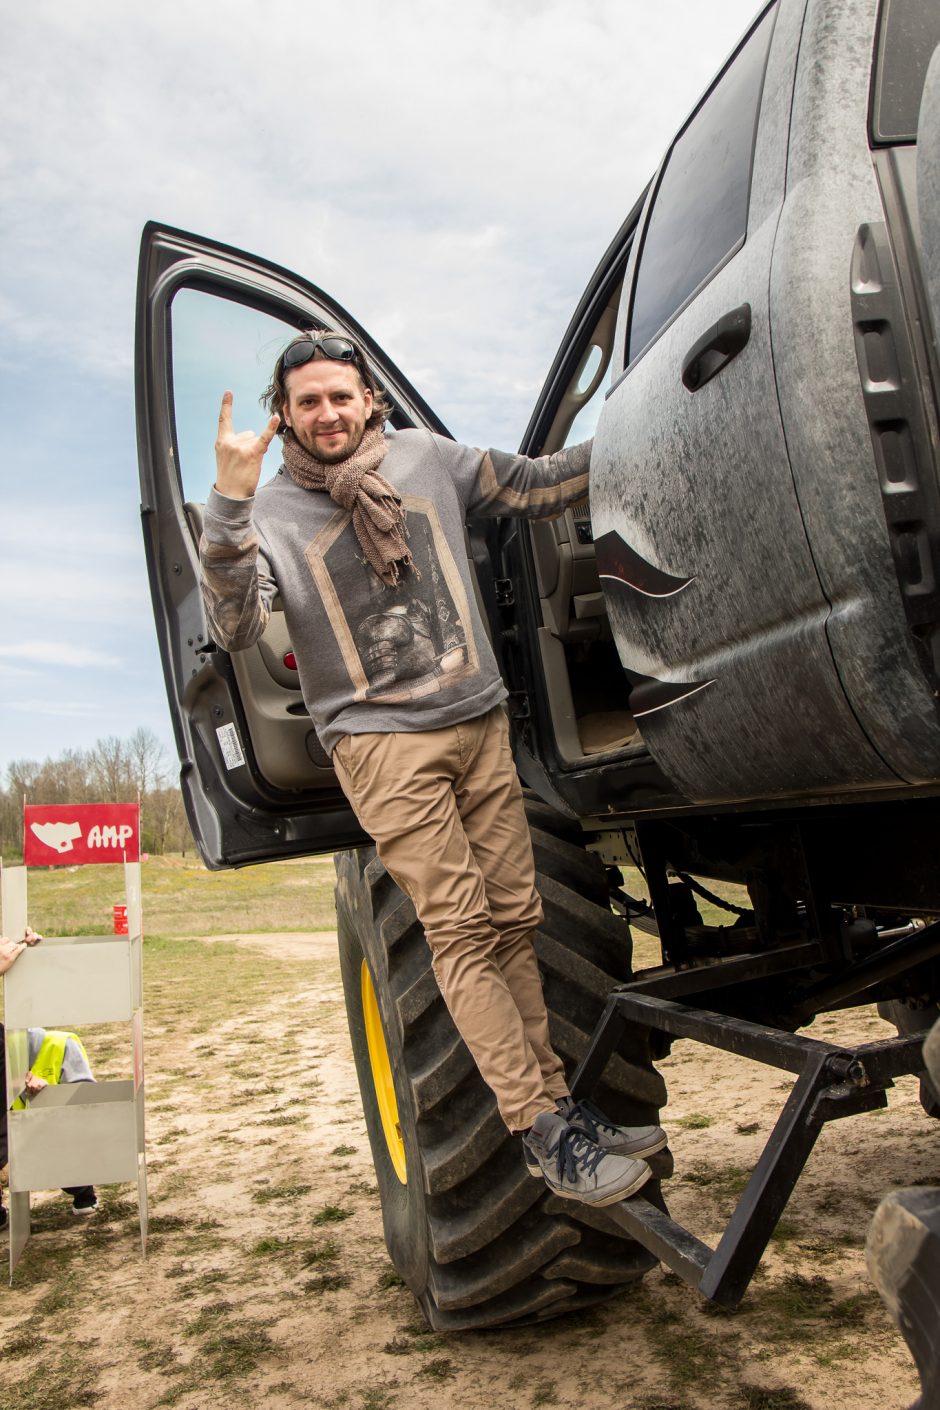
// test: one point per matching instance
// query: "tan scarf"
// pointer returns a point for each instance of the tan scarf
(356, 485)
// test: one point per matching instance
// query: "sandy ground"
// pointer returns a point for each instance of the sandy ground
(267, 1276)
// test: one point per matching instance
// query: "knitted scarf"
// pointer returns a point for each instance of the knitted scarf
(356, 485)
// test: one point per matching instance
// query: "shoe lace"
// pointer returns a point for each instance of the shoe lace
(576, 1150)
(586, 1117)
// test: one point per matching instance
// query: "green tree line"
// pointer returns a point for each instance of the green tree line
(112, 771)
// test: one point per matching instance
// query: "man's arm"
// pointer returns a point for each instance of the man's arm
(237, 583)
(527, 488)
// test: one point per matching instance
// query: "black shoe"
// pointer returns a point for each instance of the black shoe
(85, 1204)
(4, 1217)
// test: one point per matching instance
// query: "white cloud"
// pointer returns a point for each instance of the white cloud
(468, 162)
(56, 708)
(57, 653)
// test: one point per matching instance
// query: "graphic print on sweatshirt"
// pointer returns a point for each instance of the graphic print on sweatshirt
(400, 643)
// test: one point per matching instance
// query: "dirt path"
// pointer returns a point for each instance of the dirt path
(267, 1275)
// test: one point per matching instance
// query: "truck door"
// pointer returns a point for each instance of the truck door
(715, 602)
(256, 781)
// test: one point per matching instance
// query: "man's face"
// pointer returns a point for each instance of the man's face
(327, 407)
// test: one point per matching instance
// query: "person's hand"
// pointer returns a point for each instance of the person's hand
(10, 950)
(238, 454)
(31, 937)
(33, 1085)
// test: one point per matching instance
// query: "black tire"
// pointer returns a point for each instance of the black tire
(478, 1241)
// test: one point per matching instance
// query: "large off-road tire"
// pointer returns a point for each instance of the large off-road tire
(904, 1260)
(479, 1242)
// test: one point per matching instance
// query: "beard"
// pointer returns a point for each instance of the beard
(331, 455)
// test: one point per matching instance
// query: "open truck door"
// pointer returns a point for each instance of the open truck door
(256, 781)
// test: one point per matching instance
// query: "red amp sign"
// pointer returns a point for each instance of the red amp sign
(68, 835)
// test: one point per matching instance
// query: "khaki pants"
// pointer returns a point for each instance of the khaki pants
(444, 808)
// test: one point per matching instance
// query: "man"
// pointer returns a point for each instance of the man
(361, 534)
(57, 1056)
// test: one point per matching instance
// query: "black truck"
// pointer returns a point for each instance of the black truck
(725, 670)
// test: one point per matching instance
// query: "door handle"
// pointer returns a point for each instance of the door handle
(717, 347)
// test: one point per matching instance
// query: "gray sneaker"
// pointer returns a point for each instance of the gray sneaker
(634, 1142)
(573, 1167)
(638, 1141)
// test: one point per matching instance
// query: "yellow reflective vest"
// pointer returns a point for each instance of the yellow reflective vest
(49, 1059)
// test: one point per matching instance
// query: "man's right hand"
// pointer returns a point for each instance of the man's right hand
(238, 454)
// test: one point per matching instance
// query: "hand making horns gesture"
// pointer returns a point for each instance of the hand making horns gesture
(238, 454)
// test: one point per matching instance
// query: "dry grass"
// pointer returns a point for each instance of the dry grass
(180, 897)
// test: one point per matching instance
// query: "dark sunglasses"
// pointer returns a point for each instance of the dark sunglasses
(339, 349)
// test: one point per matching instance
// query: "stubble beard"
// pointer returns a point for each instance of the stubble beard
(331, 457)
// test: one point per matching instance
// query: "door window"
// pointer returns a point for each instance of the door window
(590, 383)
(217, 345)
(699, 213)
(908, 33)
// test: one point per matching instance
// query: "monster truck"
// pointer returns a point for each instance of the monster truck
(726, 670)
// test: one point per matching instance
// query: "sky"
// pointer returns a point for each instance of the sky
(451, 174)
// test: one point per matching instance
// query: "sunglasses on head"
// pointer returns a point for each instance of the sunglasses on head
(339, 349)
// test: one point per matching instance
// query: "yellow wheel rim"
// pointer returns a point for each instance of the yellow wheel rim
(382, 1076)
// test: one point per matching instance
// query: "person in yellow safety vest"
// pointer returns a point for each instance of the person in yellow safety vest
(54, 1057)
(10, 951)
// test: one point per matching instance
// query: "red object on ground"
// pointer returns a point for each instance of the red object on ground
(120, 920)
(74, 834)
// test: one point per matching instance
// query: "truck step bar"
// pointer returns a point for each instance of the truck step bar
(832, 1082)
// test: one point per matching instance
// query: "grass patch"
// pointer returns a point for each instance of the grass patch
(423, 1339)
(269, 1193)
(69, 1381)
(321, 1253)
(388, 1278)
(827, 1245)
(45, 1259)
(343, 1150)
(159, 1358)
(695, 1121)
(331, 1214)
(440, 1369)
(727, 1182)
(545, 1393)
(266, 1247)
(25, 1343)
(228, 1355)
(688, 1356)
(167, 1223)
(790, 1305)
(786, 1231)
(207, 1319)
(767, 1398)
(375, 1398)
(327, 1282)
(177, 889)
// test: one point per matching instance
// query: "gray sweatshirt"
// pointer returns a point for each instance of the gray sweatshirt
(373, 658)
